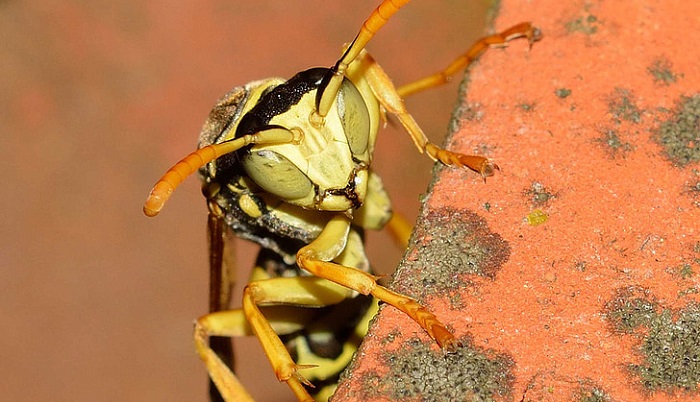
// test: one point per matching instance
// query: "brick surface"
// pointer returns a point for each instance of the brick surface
(573, 273)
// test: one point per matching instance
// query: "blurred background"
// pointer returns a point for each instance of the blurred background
(98, 99)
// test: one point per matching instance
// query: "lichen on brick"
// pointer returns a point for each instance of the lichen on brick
(631, 308)
(670, 340)
(684, 270)
(419, 372)
(527, 106)
(587, 24)
(448, 246)
(562, 92)
(671, 351)
(692, 188)
(680, 134)
(614, 144)
(661, 70)
(589, 392)
(622, 105)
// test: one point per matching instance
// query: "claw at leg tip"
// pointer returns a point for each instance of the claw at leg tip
(300, 377)
(451, 346)
(488, 169)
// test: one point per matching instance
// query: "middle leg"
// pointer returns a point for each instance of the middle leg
(294, 291)
(389, 98)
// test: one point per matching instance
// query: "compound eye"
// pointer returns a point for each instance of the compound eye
(354, 117)
(276, 174)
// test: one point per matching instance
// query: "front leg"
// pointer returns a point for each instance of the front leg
(315, 259)
(387, 95)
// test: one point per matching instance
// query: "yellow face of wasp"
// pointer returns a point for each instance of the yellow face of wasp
(327, 169)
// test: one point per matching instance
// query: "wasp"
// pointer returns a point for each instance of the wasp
(287, 164)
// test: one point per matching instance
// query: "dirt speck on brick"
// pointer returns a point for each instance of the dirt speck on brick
(562, 92)
(538, 194)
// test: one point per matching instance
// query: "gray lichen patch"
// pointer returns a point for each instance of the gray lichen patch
(670, 340)
(631, 308)
(614, 144)
(589, 393)
(418, 372)
(448, 246)
(527, 106)
(587, 24)
(622, 105)
(661, 70)
(551, 385)
(624, 114)
(671, 352)
(692, 188)
(562, 92)
(680, 134)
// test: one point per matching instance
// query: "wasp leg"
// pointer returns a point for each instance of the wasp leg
(296, 291)
(221, 323)
(522, 30)
(386, 94)
(315, 258)
(369, 28)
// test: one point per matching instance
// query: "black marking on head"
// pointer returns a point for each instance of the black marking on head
(279, 100)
